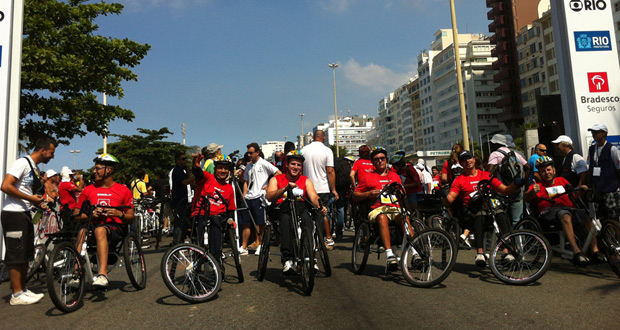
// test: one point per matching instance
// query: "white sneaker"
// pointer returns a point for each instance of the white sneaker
(257, 252)
(243, 252)
(316, 264)
(289, 267)
(32, 294)
(23, 299)
(101, 281)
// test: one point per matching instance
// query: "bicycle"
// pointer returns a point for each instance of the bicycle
(427, 256)
(68, 270)
(436, 215)
(530, 250)
(51, 222)
(149, 218)
(607, 231)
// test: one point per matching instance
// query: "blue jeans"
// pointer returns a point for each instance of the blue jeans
(340, 204)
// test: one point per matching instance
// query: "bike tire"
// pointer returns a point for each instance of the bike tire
(528, 223)
(66, 278)
(610, 239)
(35, 264)
(306, 260)
(263, 257)
(191, 273)
(134, 262)
(321, 249)
(361, 248)
(235, 252)
(532, 255)
(436, 256)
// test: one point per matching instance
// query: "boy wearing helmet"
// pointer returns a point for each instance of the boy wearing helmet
(562, 210)
(108, 222)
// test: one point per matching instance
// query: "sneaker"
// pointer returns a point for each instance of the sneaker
(508, 258)
(101, 281)
(392, 263)
(465, 241)
(598, 258)
(32, 294)
(316, 264)
(23, 298)
(254, 245)
(257, 252)
(480, 260)
(289, 267)
(243, 252)
(580, 259)
(329, 241)
(329, 247)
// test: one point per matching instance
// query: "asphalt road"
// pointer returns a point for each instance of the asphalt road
(470, 298)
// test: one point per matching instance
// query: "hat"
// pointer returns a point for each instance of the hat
(50, 173)
(498, 139)
(598, 127)
(510, 142)
(349, 158)
(211, 148)
(419, 166)
(421, 161)
(465, 155)
(563, 138)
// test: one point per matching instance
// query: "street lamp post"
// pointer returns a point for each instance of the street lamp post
(301, 140)
(74, 152)
(334, 66)
(459, 77)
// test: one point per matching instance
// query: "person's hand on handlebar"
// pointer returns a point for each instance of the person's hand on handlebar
(323, 210)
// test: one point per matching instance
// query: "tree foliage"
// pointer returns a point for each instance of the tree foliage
(66, 65)
(147, 151)
(342, 151)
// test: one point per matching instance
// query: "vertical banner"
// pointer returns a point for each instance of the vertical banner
(588, 66)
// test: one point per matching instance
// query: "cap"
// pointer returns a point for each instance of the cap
(465, 155)
(499, 139)
(510, 142)
(349, 158)
(421, 161)
(598, 127)
(50, 173)
(563, 138)
(211, 148)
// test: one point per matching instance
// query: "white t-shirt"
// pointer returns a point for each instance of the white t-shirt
(578, 164)
(256, 175)
(318, 158)
(21, 171)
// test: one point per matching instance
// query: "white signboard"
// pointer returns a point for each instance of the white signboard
(588, 67)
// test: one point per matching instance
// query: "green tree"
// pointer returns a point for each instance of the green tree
(341, 150)
(65, 65)
(146, 150)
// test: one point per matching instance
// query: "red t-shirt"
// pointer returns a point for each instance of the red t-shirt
(374, 181)
(411, 176)
(67, 195)
(205, 188)
(282, 181)
(362, 167)
(464, 185)
(550, 190)
(218, 206)
(117, 195)
(446, 169)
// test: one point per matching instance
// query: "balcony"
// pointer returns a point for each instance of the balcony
(495, 65)
(491, 14)
(492, 26)
(494, 52)
(490, 3)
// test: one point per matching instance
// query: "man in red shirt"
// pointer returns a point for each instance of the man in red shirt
(383, 209)
(362, 166)
(67, 189)
(410, 178)
(562, 210)
(108, 222)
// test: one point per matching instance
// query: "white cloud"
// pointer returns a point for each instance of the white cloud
(337, 6)
(375, 77)
(141, 5)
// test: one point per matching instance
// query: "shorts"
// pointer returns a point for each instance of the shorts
(115, 231)
(255, 206)
(391, 212)
(18, 237)
(555, 213)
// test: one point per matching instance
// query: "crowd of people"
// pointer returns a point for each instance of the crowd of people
(211, 186)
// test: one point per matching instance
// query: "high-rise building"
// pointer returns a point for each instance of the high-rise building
(352, 132)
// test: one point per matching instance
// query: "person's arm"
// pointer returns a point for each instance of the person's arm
(531, 193)
(331, 177)
(273, 193)
(452, 195)
(8, 187)
(352, 176)
(245, 188)
(362, 195)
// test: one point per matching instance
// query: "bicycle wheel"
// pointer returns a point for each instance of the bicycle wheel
(531, 254)
(321, 249)
(528, 223)
(134, 262)
(263, 257)
(361, 248)
(65, 277)
(35, 264)
(232, 235)
(306, 260)
(428, 258)
(191, 273)
(610, 239)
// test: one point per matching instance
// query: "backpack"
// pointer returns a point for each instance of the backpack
(342, 167)
(510, 169)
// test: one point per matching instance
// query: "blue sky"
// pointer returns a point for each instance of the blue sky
(241, 71)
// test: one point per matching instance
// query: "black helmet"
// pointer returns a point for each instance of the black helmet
(377, 150)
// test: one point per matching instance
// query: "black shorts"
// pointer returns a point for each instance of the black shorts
(18, 237)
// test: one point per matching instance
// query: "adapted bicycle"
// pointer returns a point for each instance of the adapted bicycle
(50, 222)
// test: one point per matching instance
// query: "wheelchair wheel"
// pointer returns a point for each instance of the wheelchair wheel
(531, 253)
(263, 257)
(66, 278)
(306, 261)
(35, 264)
(361, 247)
(134, 262)
(191, 273)
(232, 235)
(610, 239)
(428, 258)
(321, 249)
(529, 223)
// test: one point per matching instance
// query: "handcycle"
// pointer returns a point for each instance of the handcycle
(149, 218)
(436, 215)
(529, 249)
(189, 270)
(304, 243)
(606, 231)
(427, 256)
(68, 270)
(50, 222)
